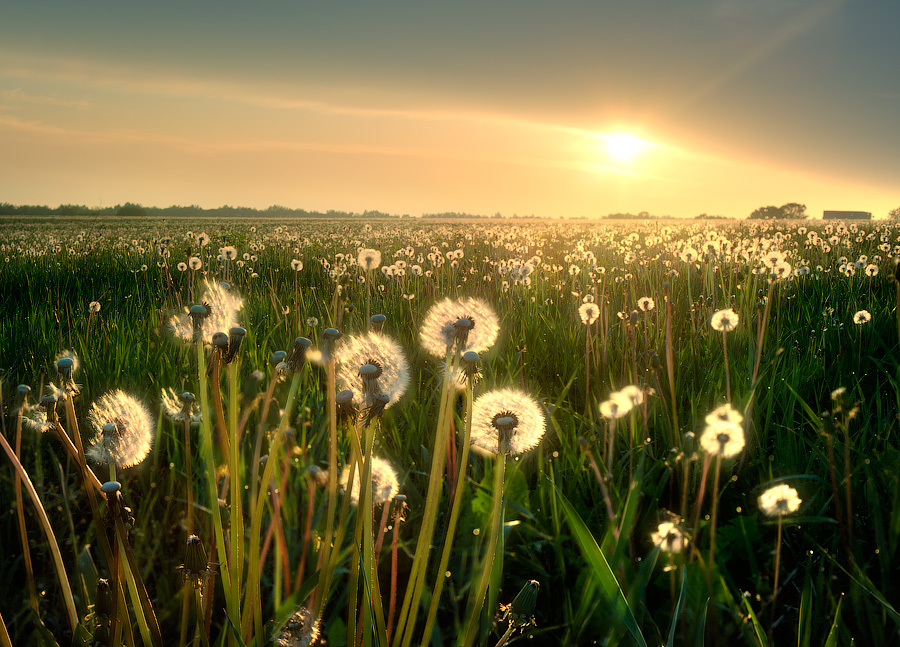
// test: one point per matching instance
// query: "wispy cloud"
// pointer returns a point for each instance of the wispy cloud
(15, 64)
(19, 96)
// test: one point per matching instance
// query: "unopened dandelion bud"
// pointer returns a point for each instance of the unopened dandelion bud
(376, 322)
(103, 607)
(220, 341)
(379, 402)
(64, 366)
(195, 559)
(330, 336)
(22, 392)
(298, 354)
(277, 357)
(198, 313)
(113, 497)
(101, 635)
(526, 599)
(369, 373)
(469, 366)
(49, 404)
(346, 409)
(236, 335)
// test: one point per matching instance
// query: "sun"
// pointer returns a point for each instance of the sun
(623, 147)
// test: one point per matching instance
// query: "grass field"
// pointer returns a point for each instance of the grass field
(631, 393)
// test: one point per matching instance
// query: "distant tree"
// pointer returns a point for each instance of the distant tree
(790, 210)
(793, 210)
(894, 214)
(766, 213)
(130, 210)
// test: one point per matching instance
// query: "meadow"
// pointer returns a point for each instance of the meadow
(567, 433)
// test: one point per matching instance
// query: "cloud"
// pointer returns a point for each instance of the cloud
(18, 96)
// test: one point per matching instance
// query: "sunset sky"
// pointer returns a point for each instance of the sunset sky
(420, 107)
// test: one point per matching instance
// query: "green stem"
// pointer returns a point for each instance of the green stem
(454, 517)
(236, 531)
(474, 621)
(71, 613)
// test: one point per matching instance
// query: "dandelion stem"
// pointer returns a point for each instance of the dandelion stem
(55, 553)
(727, 370)
(454, 517)
(20, 517)
(206, 449)
(777, 572)
(496, 517)
(715, 508)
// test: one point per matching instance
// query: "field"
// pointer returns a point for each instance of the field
(681, 434)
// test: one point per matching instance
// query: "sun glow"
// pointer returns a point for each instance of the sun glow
(623, 147)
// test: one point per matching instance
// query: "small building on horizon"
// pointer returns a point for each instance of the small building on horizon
(846, 215)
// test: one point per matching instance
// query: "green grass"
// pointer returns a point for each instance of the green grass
(582, 533)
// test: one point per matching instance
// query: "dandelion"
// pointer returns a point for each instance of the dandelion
(468, 322)
(778, 501)
(646, 304)
(123, 430)
(180, 407)
(669, 537)
(369, 259)
(195, 263)
(589, 312)
(861, 317)
(301, 630)
(384, 482)
(94, 307)
(391, 369)
(296, 265)
(724, 414)
(506, 421)
(723, 439)
(725, 320)
(182, 267)
(222, 307)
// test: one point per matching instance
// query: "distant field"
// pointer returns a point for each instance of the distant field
(678, 370)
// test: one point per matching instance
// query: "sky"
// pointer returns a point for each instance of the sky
(551, 109)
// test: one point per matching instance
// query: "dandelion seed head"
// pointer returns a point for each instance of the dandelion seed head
(508, 421)
(669, 537)
(589, 312)
(222, 306)
(369, 259)
(123, 430)
(779, 500)
(723, 439)
(378, 351)
(470, 322)
(861, 317)
(725, 320)
(384, 482)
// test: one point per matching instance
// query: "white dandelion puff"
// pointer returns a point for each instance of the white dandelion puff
(779, 500)
(468, 322)
(123, 430)
(506, 421)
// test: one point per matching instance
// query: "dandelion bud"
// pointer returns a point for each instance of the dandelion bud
(236, 335)
(319, 476)
(331, 335)
(195, 559)
(461, 328)
(22, 391)
(49, 403)
(298, 354)
(220, 341)
(104, 598)
(198, 313)
(469, 365)
(346, 410)
(526, 599)
(277, 357)
(379, 402)
(376, 322)
(101, 635)
(113, 497)
(64, 366)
